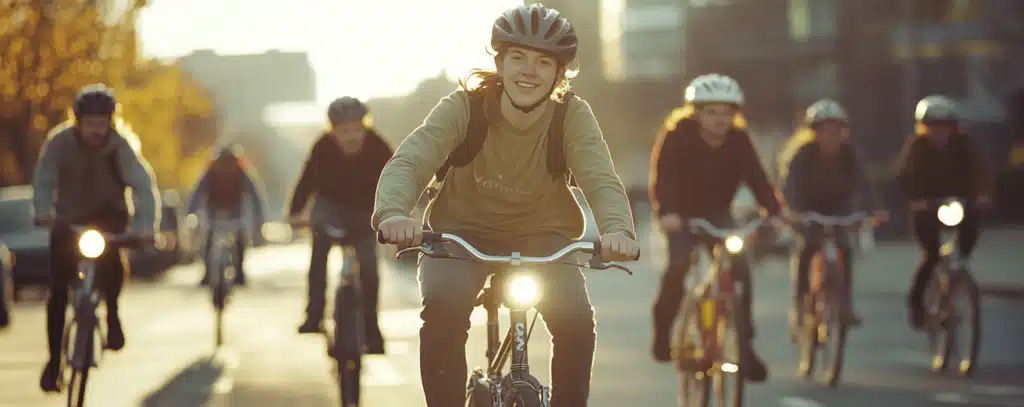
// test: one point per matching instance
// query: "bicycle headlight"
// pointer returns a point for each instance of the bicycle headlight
(522, 291)
(734, 244)
(951, 214)
(91, 244)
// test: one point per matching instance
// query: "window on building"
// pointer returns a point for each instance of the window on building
(799, 20)
(816, 81)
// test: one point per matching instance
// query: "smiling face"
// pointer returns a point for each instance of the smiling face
(529, 75)
(94, 129)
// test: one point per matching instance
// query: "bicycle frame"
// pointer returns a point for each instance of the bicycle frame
(716, 296)
(85, 299)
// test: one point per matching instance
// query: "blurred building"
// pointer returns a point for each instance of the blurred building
(788, 53)
(243, 85)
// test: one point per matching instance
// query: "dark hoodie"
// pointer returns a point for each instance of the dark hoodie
(695, 180)
(957, 169)
(348, 182)
(832, 187)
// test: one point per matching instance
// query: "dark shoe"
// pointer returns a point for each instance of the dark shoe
(375, 345)
(311, 326)
(204, 282)
(853, 319)
(5, 316)
(115, 335)
(918, 317)
(661, 349)
(50, 382)
(240, 279)
(754, 368)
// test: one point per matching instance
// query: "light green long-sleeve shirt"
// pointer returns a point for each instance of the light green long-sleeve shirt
(506, 194)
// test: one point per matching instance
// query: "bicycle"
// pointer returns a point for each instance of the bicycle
(952, 279)
(223, 268)
(824, 324)
(346, 336)
(711, 317)
(79, 350)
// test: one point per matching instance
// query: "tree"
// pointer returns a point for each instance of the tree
(50, 48)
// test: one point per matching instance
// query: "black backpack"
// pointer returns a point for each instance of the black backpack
(476, 134)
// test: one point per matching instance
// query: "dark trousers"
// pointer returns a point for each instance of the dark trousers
(369, 279)
(111, 270)
(926, 228)
(811, 239)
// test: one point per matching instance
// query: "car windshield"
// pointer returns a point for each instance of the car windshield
(15, 216)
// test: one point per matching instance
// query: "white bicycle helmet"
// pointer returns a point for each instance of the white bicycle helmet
(714, 88)
(825, 109)
(936, 108)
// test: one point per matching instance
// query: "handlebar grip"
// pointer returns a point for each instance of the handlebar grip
(429, 236)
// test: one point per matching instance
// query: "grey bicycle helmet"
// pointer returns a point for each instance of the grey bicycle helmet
(537, 27)
(346, 109)
(95, 99)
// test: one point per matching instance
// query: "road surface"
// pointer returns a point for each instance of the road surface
(170, 360)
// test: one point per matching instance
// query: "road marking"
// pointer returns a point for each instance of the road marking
(381, 372)
(227, 359)
(799, 402)
(996, 390)
(960, 398)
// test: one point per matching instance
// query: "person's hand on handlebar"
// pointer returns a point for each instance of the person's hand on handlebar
(617, 246)
(401, 231)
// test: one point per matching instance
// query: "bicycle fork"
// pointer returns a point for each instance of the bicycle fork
(82, 353)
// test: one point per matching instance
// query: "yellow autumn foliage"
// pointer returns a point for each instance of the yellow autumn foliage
(48, 52)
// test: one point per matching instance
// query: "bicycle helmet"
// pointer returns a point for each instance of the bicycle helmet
(936, 108)
(714, 88)
(346, 109)
(537, 27)
(825, 109)
(95, 99)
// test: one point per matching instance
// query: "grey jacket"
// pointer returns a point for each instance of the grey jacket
(72, 182)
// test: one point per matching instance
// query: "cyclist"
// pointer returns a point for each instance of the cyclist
(229, 186)
(342, 170)
(822, 172)
(706, 136)
(507, 195)
(940, 160)
(83, 169)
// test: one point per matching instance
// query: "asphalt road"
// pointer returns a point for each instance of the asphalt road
(170, 359)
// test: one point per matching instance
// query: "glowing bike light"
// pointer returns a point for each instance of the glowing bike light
(734, 244)
(91, 244)
(522, 291)
(951, 214)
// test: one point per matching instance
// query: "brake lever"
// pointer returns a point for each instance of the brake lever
(618, 266)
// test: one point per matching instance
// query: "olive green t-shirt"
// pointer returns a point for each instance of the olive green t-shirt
(506, 194)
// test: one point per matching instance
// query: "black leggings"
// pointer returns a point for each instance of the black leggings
(926, 228)
(111, 270)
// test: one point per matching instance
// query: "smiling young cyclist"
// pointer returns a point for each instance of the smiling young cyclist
(700, 159)
(510, 195)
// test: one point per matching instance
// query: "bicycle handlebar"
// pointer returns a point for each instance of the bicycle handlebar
(701, 225)
(431, 239)
(841, 221)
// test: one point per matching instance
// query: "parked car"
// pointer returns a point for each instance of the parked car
(29, 244)
(151, 261)
(6, 286)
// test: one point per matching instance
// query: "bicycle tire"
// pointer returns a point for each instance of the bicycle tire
(807, 337)
(349, 335)
(350, 372)
(837, 330)
(939, 335)
(76, 388)
(964, 281)
(694, 387)
(733, 316)
(523, 395)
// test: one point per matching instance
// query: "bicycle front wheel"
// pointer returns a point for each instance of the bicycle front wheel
(350, 372)
(688, 349)
(729, 381)
(964, 322)
(76, 387)
(832, 333)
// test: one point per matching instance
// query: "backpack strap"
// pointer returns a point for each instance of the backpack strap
(476, 134)
(557, 166)
(115, 170)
